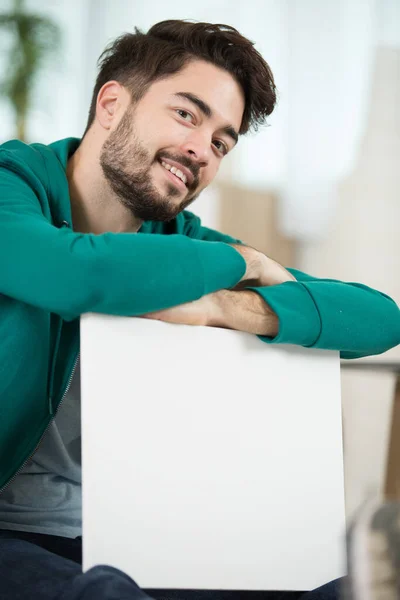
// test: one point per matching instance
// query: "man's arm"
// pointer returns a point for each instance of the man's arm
(243, 311)
(319, 313)
(68, 273)
(333, 315)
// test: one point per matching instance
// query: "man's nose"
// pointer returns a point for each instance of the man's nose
(197, 146)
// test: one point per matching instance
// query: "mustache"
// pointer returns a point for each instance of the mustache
(184, 160)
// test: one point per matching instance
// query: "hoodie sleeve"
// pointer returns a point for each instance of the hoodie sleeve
(323, 313)
(70, 273)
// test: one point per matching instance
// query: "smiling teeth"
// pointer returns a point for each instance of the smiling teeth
(175, 171)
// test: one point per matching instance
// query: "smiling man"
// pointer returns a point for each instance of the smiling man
(99, 224)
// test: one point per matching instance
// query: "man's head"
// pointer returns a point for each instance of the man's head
(176, 98)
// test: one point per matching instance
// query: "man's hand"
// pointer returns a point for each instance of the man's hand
(243, 311)
(261, 270)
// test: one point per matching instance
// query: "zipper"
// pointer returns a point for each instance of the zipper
(45, 431)
(53, 367)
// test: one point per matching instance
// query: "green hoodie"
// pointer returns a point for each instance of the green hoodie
(50, 275)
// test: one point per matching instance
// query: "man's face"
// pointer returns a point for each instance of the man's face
(168, 147)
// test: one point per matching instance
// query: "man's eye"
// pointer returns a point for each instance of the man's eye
(221, 146)
(184, 114)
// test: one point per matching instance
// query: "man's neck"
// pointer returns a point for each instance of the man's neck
(95, 208)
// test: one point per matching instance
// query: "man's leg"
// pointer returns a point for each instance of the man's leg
(29, 571)
(35, 565)
(329, 591)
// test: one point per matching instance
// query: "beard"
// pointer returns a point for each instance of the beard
(126, 165)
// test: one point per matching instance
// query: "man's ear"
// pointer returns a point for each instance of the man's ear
(110, 100)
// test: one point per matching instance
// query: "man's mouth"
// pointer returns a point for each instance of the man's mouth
(174, 179)
(180, 171)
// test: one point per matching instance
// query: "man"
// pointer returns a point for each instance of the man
(98, 225)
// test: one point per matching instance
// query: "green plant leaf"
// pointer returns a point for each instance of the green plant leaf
(35, 39)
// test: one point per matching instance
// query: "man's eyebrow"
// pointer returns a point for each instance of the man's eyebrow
(206, 110)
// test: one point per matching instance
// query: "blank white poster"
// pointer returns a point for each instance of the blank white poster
(211, 460)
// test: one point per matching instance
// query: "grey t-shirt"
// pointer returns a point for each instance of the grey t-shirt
(46, 496)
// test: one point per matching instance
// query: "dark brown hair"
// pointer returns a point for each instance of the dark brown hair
(138, 59)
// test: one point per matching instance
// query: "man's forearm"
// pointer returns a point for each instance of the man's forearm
(243, 311)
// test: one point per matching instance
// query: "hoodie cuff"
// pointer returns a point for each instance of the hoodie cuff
(299, 319)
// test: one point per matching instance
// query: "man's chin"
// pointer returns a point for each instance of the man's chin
(163, 211)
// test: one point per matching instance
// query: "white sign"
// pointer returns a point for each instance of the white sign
(211, 460)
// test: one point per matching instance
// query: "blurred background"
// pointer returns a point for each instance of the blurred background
(317, 189)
